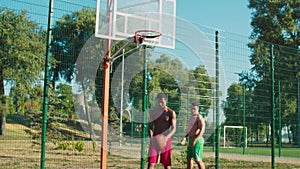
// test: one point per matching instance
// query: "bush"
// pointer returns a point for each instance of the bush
(94, 145)
(79, 146)
(63, 145)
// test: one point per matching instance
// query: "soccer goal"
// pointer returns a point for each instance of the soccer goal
(233, 136)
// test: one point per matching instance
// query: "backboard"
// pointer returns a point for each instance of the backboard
(120, 19)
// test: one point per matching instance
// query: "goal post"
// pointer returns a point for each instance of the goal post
(234, 127)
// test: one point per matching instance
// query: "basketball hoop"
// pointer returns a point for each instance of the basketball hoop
(148, 36)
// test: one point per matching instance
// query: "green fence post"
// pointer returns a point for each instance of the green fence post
(272, 106)
(279, 120)
(298, 111)
(132, 122)
(178, 115)
(244, 118)
(217, 103)
(213, 133)
(145, 108)
(46, 85)
(188, 105)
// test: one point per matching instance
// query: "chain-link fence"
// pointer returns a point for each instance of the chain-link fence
(248, 92)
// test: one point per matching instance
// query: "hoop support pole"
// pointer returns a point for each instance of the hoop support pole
(105, 91)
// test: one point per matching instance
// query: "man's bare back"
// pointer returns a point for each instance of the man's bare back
(194, 125)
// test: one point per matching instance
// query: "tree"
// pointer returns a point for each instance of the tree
(161, 78)
(233, 110)
(21, 51)
(204, 87)
(56, 113)
(66, 104)
(277, 23)
(70, 33)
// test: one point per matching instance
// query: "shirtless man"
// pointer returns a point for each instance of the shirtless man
(162, 126)
(196, 128)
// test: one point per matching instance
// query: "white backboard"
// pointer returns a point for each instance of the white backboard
(120, 19)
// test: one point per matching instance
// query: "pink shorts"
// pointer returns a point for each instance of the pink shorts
(165, 154)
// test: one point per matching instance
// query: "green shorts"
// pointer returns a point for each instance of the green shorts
(195, 151)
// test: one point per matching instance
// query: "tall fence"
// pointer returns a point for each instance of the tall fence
(250, 88)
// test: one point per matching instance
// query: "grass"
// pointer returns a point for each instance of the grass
(264, 151)
(15, 131)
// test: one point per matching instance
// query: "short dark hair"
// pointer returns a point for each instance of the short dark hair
(161, 95)
(195, 104)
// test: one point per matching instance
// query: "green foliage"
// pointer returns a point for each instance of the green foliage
(9, 106)
(72, 36)
(70, 33)
(113, 118)
(70, 145)
(64, 145)
(21, 54)
(79, 146)
(160, 81)
(19, 119)
(233, 110)
(67, 101)
(55, 114)
(274, 23)
(94, 145)
(204, 88)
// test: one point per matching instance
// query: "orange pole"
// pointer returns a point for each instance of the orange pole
(105, 91)
(105, 103)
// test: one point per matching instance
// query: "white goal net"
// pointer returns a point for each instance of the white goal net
(233, 136)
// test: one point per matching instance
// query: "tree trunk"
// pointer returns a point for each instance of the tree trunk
(289, 136)
(267, 134)
(2, 101)
(88, 115)
(2, 120)
(257, 135)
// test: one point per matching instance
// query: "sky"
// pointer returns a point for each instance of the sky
(231, 15)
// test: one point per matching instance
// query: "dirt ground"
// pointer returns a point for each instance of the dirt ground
(24, 154)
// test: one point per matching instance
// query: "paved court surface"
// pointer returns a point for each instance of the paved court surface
(257, 158)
